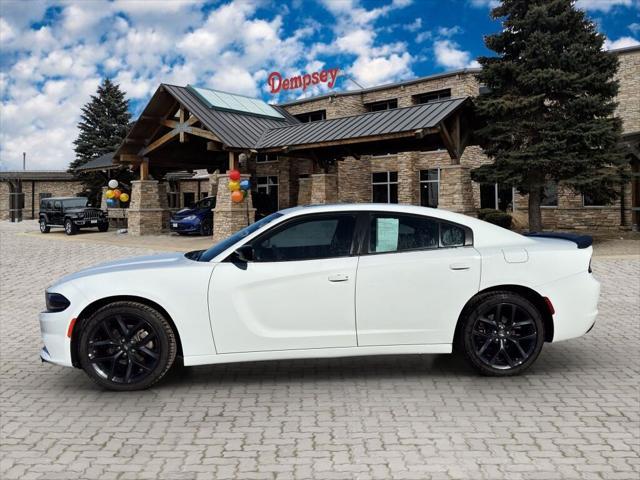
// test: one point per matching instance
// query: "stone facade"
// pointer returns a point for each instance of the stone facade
(229, 217)
(32, 190)
(148, 211)
(629, 92)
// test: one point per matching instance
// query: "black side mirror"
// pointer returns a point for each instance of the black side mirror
(245, 253)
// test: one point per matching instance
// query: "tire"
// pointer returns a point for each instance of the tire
(70, 228)
(502, 334)
(206, 229)
(103, 227)
(112, 350)
(44, 228)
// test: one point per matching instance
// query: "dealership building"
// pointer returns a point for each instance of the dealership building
(410, 142)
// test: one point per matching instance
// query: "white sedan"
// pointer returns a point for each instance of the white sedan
(327, 281)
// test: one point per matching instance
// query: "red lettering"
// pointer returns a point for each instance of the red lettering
(323, 76)
(295, 82)
(271, 81)
(306, 81)
(334, 74)
(285, 84)
(315, 78)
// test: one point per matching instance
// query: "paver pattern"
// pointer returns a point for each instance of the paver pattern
(574, 415)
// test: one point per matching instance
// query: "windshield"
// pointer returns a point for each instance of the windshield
(79, 202)
(220, 247)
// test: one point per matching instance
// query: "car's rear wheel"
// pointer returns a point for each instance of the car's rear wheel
(206, 228)
(103, 227)
(127, 346)
(44, 228)
(502, 334)
(70, 228)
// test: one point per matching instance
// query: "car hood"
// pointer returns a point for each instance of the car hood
(128, 264)
(81, 209)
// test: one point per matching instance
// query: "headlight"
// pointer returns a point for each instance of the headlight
(190, 217)
(56, 302)
(81, 215)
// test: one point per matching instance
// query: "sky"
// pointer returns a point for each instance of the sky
(54, 53)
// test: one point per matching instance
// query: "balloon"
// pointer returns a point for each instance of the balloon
(234, 175)
(124, 198)
(237, 197)
(110, 194)
(234, 186)
(117, 193)
(113, 183)
(245, 185)
(244, 193)
(111, 202)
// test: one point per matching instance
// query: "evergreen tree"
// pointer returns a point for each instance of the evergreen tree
(103, 124)
(548, 115)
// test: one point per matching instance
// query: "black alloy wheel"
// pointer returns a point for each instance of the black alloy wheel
(206, 228)
(70, 228)
(127, 346)
(503, 334)
(44, 228)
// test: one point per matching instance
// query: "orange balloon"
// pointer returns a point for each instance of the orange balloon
(237, 197)
(117, 193)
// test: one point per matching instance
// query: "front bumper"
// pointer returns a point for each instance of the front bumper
(184, 227)
(53, 329)
(90, 222)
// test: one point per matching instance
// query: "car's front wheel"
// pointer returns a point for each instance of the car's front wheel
(103, 227)
(70, 228)
(127, 346)
(502, 334)
(44, 228)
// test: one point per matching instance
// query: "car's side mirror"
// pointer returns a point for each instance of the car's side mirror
(245, 253)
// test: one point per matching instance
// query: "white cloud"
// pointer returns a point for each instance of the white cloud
(622, 42)
(449, 31)
(485, 3)
(370, 71)
(448, 54)
(415, 25)
(603, 5)
(635, 28)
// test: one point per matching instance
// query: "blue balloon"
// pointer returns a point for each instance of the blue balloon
(111, 202)
(245, 184)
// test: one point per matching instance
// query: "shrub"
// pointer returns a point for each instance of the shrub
(483, 212)
(501, 219)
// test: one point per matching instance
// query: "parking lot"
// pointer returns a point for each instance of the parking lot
(574, 415)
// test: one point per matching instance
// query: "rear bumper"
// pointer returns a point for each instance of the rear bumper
(575, 300)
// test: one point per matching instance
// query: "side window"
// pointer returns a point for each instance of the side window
(320, 236)
(451, 235)
(396, 233)
(49, 204)
(57, 204)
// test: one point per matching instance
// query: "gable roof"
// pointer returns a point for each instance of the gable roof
(103, 162)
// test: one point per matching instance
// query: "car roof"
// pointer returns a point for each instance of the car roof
(62, 198)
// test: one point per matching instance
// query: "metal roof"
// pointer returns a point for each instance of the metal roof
(103, 162)
(36, 175)
(234, 129)
(398, 120)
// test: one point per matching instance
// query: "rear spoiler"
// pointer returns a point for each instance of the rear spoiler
(582, 241)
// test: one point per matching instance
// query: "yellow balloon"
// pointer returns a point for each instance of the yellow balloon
(110, 194)
(234, 186)
(124, 197)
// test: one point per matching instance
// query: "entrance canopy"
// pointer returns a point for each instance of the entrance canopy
(190, 128)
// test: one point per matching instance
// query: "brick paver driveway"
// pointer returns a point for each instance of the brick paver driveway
(574, 415)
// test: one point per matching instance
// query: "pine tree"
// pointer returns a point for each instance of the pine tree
(103, 125)
(549, 113)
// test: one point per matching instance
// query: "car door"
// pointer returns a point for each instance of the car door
(414, 277)
(297, 293)
(57, 212)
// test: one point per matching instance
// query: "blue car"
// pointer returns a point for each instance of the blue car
(197, 218)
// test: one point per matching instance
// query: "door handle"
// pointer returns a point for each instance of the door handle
(459, 266)
(339, 277)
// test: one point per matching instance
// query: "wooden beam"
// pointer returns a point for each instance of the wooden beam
(201, 132)
(144, 169)
(182, 116)
(130, 158)
(192, 119)
(169, 123)
(449, 143)
(149, 118)
(159, 142)
(232, 160)
(214, 146)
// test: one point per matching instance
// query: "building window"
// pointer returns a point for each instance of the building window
(188, 199)
(594, 200)
(316, 116)
(266, 157)
(432, 96)
(267, 189)
(496, 196)
(550, 195)
(384, 187)
(429, 187)
(45, 195)
(173, 199)
(383, 105)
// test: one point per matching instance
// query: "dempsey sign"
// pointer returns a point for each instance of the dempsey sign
(277, 83)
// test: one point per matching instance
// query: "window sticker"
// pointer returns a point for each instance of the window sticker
(387, 234)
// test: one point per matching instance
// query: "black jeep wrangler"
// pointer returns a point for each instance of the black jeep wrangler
(71, 213)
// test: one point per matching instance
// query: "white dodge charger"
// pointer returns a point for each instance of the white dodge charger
(327, 281)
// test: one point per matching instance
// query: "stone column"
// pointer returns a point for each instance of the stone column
(148, 212)
(408, 184)
(304, 191)
(5, 192)
(229, 217)
(103, 199)
(324, 188)
(456, 193)
(354, 180)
